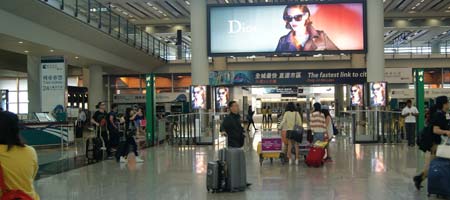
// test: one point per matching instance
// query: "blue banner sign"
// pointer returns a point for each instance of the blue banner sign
(289, 77)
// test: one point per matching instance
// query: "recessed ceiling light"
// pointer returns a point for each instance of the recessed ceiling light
(226, 1)
(76, 57)
(447, 10)
(155, 8)
(445, 32)
(20, 42)
(26, 51)
(51, 50)
(187, 2)
(149, 4)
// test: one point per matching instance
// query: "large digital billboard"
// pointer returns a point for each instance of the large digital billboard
(286, 29)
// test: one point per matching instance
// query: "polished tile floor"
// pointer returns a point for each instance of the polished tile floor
(369, 171)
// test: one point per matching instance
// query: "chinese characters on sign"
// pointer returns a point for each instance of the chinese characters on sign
(53, 83)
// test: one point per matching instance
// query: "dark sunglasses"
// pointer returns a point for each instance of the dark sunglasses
(290, 18)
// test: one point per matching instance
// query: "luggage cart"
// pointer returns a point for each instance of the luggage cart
(271, 146)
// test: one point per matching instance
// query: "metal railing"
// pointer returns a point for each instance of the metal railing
(103, 18)
(373, 126)
(194, 128)
(390, 52)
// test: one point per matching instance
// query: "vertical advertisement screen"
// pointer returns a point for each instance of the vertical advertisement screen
(198, 97)
(222, 97)
(377, 94)
(357, 95)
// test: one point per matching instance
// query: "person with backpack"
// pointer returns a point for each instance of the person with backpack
(99, 119)
(439, 127)
(18, 162)
(291, 120)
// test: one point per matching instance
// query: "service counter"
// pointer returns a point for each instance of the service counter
(47, 133)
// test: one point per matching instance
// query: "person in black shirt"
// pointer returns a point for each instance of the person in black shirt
(231, 125)
(99, 119)
(113, 126)
(250, 114)
(440, 127)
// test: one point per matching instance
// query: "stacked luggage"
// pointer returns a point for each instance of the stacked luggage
(228, 174)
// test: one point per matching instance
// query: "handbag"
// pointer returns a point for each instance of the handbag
(443, 150)
(8, 194)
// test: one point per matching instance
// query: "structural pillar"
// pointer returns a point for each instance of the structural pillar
(375, 54)
(95, 89)
(199, 63)
(34, 84)
(339, 99)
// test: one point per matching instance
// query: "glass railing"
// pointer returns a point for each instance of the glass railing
(390, 52)
(102, 17)
(194, 128)
(373, 126)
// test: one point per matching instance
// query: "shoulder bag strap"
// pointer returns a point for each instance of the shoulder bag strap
(2, 180)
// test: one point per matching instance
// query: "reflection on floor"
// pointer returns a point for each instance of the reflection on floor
(374, 171)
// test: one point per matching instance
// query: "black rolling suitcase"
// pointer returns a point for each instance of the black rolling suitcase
(216, 177)
(95, 148)
(439, 178)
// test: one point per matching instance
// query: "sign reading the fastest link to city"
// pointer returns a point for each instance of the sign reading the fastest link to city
(289, 77)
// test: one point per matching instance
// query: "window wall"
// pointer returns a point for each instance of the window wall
(18, 94)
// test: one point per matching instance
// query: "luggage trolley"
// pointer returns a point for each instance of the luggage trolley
(271, 146)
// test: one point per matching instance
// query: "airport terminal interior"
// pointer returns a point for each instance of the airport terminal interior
(192, 99)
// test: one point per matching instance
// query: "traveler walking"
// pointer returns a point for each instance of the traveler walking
(250, 114)
(439, 127)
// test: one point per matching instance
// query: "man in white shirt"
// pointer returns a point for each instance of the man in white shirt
(410, 113)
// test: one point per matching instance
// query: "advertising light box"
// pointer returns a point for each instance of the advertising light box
(378, 94)
(301, 28)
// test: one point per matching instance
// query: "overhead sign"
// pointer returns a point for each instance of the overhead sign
(289, 77)
(53, 83)
(398, 75)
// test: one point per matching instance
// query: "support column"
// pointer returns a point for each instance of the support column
(95, 89)
(34, 83)
(339, 99)
(86, 78)
(436, 47)
(199, 64)
(375, 54)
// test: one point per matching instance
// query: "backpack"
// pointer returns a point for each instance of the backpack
(8, 194)
(425, 139)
